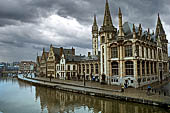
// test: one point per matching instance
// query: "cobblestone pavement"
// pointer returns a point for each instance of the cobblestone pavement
(108, 89)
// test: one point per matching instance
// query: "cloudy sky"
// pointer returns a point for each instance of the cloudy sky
(26, 26)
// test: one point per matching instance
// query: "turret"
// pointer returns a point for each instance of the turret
(121, 33)
(134, 31)
(140, 30)
(95, 37)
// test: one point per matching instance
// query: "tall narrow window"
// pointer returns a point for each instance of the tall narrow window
(87, 68)
(74, 67)
(128, 51)
(129, 68)
(97, 70)
(138, 67)
(68, 67)
(114, 68)
(147, 67)
(114, 52)
(146, 52)
(151, 67)
(92, 68)
(142, 52)
(137, 50)
(143, 67)
(79, 68)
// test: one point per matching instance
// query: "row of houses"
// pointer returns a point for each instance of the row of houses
(62, 63)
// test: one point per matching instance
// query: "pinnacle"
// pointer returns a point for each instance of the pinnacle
(95, 22)
(107, 17)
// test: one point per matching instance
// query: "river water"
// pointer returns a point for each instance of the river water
(20, 97)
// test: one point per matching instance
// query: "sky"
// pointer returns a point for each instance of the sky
(26, 26)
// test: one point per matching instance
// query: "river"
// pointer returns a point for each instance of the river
(20, 97)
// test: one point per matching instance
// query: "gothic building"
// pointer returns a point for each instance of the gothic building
(132, 54)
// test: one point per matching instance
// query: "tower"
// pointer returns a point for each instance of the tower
(95, 37)
(107, 33)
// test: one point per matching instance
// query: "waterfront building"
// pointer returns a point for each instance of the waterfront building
(67, 68)
(38, 69)
(27, 66)
(131, 54)
(90, 68)
(54, 57)
(43, 64)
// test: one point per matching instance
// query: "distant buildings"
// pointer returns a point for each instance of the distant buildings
(27, 66)
(130, 55)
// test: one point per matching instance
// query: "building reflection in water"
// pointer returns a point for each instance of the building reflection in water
(59, 101)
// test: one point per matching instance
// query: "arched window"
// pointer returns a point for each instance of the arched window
(68, 67)
(115, 68)
(74, 67)
(129, 67)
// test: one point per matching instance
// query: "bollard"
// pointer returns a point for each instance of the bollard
(152, 90)
(155, 90)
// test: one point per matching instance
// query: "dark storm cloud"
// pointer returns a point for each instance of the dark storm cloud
(22, 27)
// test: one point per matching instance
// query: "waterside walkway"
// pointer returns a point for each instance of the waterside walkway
(105, 91)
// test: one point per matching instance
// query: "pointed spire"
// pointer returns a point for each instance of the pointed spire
(107, 17)
(134, 28)
(94, 22)
(134, 31)
(159, 27)
(121, 33)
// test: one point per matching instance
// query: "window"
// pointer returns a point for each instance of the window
(142, 52)
(114, 68)
(96, 69)
(151, 53)
(79, 68)
(68, 67)
(155, 67)
(114, 52)
(137, 50)
(138, 67)
(92, 68)
(87, 68)
(128, 51)
(74, 67)
(151, 67)
(102, 39)
(147, 67)
(83, 68)
(129, 68)
(146, 52)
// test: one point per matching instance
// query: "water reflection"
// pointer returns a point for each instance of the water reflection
(36, 99)
(58, 101)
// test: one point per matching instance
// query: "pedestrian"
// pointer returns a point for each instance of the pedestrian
(149, 89)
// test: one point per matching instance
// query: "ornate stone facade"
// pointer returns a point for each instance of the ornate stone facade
(132, 55)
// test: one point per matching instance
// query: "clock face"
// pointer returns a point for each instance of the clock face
(95, 34)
